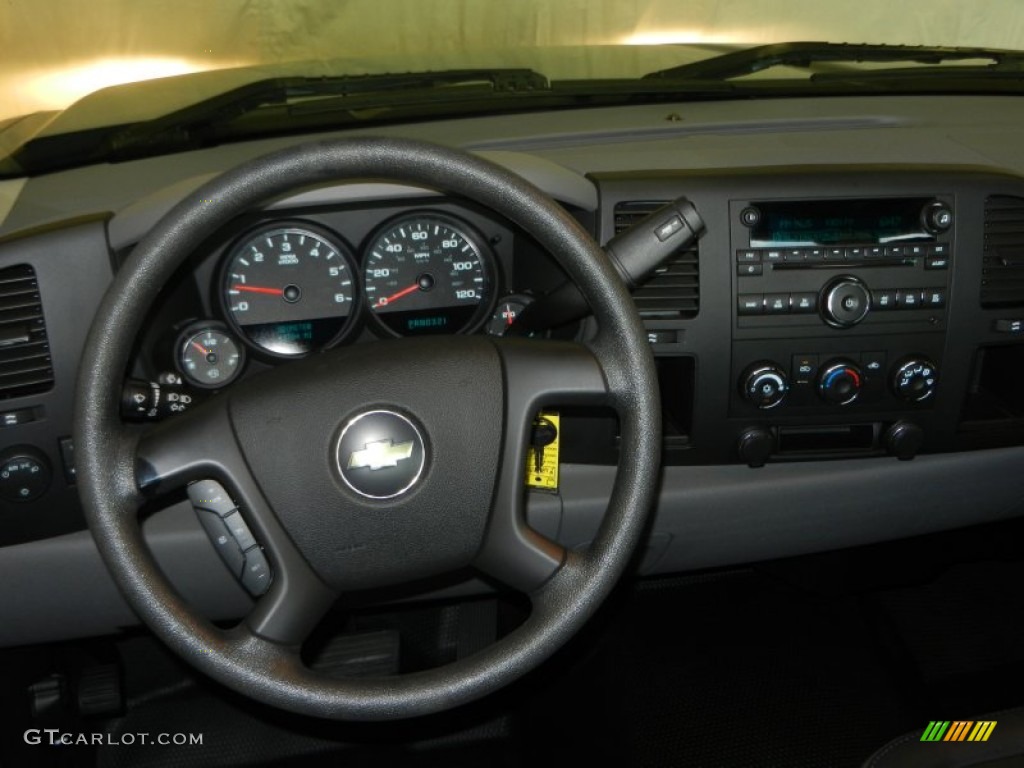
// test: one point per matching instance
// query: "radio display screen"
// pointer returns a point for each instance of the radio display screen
(834, 222)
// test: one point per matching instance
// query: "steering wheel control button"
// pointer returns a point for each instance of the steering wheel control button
(915, 380)
(840, 383)
(210, 495)
(256, 575)
(845, 302)
(25, 474)
(223, 541)
(764, 385)
(380, 454)
(240, 531)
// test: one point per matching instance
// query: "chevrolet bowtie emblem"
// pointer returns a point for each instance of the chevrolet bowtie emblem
(380, 454)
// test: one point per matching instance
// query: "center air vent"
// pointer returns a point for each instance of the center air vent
(673, 291)
(1002, 282)
(25, 364)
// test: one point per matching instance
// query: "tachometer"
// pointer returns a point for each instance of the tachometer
(428, 274)
(289, 290)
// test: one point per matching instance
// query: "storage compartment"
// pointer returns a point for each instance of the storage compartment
(993, 413)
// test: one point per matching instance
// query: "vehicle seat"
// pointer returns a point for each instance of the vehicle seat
(1004, 748)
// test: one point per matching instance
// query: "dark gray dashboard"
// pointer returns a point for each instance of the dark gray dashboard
(831, 478)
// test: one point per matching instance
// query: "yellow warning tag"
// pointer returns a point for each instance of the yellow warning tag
(543, 474)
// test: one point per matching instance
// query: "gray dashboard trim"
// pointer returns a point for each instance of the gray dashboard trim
(131, 223)
(706, 517)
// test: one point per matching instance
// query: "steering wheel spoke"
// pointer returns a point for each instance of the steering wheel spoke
(199, 448)
(537, 374)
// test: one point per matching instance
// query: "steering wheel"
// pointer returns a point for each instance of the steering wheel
(280, 443)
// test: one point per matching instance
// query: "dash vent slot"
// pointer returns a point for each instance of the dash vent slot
(25, 364)
(673, 291)
(1002, 281)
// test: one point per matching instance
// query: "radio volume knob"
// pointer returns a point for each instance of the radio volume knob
(845, 302)
(915, 379)
(840, 382)
(764, 384)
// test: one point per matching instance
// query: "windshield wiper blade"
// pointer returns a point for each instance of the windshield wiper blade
(806, 54)
(177, 126)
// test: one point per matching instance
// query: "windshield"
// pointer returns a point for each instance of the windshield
(184, 53)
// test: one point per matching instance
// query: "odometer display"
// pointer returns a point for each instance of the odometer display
(289, 290)
(426, 274)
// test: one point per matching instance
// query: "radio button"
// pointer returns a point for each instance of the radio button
(772, 255)
(748, 257)
(803, 303)
(815, 255)
(915, 250)
(910, 298)
(855, 254)
(750, 304)
(845, 302)
(875, 252)
(939, 249)
(776, 303)
(835, 254)
(934, 297)
(883, 300)
(936, 262)
(749, 270)
(794, 255)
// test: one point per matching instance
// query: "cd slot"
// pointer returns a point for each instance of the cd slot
(844, 264)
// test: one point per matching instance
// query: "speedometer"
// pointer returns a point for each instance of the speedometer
(428, 274)
(289, 290)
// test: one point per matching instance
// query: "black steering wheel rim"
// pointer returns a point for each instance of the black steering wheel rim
(108, 461)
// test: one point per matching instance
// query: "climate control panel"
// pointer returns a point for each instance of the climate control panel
(859, 374)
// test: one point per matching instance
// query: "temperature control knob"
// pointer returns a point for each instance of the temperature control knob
(840, 382)
(915, 379)
(764, 384)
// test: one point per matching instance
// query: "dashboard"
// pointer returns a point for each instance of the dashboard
(855, 301)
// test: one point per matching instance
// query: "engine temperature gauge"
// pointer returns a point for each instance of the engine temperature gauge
(209, 357)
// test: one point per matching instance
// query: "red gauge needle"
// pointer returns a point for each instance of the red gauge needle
(396, 296)
(200, 347)
(259, 289)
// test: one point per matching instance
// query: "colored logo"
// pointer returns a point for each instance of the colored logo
(958, 730)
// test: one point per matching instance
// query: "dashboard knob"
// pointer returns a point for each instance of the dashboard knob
(764, 384)
(938, 217)
(845, 302)
(915, 379)
(755, 446)
(25, 474)
(840, 382)
(903, 440)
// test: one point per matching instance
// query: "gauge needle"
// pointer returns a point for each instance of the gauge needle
(396, 296)
(258, 289)
(200, 347)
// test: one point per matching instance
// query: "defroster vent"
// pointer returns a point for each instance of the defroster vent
(1002, 281)
(25, 363)
(673, 291)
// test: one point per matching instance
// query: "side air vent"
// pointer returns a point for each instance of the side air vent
(1002, 281)
(673, 291)
(25, 364)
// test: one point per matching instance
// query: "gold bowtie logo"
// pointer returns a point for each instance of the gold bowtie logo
(380, 454)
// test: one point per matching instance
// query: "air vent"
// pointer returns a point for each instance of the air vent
(673, 291)
(1002, 282)
(25, 364)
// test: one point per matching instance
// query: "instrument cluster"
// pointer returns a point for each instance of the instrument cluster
(288, 286)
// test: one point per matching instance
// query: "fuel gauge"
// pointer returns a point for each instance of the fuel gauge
(505, 314)
(209, 357)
